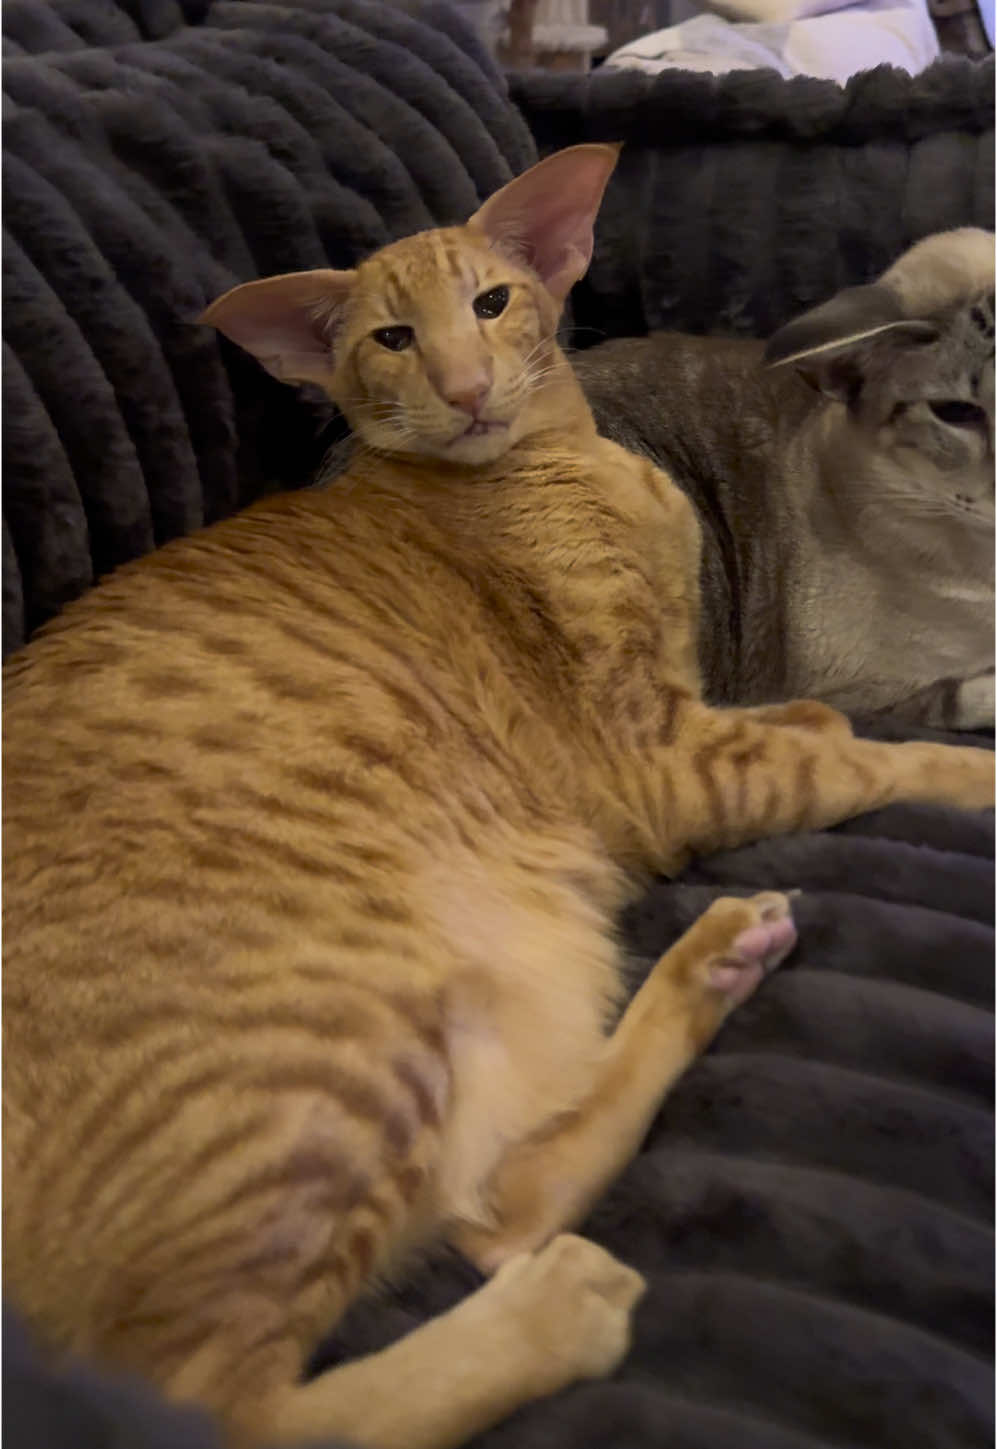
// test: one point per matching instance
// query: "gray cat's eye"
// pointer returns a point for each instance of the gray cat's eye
(491, 303)
(395, 339)
(958, 414)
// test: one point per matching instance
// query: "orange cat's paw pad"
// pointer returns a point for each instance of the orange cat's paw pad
(755, 951)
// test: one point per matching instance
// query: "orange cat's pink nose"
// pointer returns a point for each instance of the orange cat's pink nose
(469, 394)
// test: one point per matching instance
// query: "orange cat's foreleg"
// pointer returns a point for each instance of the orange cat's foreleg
(726, 777)
(550, 1181)
(741, 775)
(809, 714)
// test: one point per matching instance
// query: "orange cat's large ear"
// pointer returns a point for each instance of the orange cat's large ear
(288, 322)
(547, 215)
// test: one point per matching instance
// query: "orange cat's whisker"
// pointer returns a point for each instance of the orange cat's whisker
(545, 341)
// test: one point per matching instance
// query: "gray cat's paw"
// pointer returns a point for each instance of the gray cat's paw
(974, 703)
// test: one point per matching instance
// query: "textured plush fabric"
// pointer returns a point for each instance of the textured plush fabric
(76, 1407)
(742, 200)
(813, 1206)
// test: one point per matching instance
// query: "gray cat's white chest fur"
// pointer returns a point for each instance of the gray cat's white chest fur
(874, 625)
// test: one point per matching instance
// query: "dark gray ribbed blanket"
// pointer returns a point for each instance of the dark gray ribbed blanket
(742, 200)
(813, 1207)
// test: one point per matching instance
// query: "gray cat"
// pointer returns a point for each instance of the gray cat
(846, 489)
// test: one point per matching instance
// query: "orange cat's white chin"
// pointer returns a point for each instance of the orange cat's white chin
(476, 444)
(479, 442)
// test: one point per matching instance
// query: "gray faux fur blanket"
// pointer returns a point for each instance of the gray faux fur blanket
(743, 199)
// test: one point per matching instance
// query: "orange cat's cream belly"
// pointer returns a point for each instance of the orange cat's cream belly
(535, 984)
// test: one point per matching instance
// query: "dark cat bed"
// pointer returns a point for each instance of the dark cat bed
(742, 200)
(813, 1206)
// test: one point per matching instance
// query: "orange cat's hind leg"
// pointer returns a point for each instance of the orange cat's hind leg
(549, 1182)
(544, 1321)
(225, 1318)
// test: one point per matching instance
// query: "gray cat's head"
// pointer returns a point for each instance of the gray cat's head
(911, 356)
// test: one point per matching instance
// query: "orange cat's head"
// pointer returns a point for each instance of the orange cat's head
(438, 344)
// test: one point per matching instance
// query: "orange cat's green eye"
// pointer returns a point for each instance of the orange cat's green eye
(395, 339)
(491, 303)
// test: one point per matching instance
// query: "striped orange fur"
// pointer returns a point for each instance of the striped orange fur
(316, 825)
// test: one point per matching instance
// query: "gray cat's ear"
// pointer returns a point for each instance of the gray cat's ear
(547, 216)
(287, 322)
(832, 345)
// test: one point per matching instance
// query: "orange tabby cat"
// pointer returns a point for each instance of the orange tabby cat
(316, 827)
